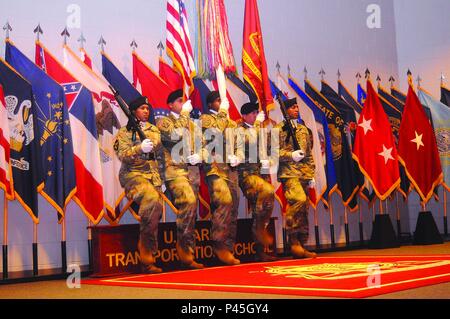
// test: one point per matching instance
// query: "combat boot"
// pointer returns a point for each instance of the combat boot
(299, 252)
(263, 236)
(150, 269)
(147, 257)
(310, 254)
(226, 257)
(187, 258)
(195, 265)
(261, 256)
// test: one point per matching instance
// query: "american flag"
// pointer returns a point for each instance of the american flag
(178, 42)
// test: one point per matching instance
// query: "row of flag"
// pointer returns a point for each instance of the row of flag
(63, 118)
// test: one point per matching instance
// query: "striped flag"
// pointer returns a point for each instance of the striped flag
(109, 118)
(178, 40)
(5, 166)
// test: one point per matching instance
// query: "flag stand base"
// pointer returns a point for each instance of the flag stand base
(383, 234)
(426, 232)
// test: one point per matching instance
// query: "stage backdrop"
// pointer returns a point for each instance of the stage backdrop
(313, 33)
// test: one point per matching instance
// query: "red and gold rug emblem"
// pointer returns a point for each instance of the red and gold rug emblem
(348, 277)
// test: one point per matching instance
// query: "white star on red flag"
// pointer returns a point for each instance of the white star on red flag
(365, 124)
(386, 154)
(418, 140)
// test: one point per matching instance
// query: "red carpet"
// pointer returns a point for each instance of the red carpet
(347, 277)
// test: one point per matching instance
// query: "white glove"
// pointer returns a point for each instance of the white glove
(312, 183)
(194, 159)
(265, 164)
(225, 104)
(260, 117)
(187, 106)
(146, 146)
(297, 156)
(233, 160)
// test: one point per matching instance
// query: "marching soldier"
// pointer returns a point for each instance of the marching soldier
(139, 176)
(296, 173)
(181, 180)
(222, 181)
(255, 186)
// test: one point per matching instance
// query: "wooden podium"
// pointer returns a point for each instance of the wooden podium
(114, 248)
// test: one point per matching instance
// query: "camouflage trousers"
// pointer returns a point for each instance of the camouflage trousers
(260, 195)
(297, 228)
(224, 200)
(183, 191)
(140, 190)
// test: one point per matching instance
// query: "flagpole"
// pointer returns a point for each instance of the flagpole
(373, 212)
(5, 237)
(347, 234)
(63, 246)
(424, 206)
(399, 228)
(90, 244)
(381, 207)
(445, 213)
(361, 229)
(333, 243)
(35, 250)
(316, 228)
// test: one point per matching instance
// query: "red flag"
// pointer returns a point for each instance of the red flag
(417, 148)
(170, 76)
(254, 64)
(152, 86)
(374, 147)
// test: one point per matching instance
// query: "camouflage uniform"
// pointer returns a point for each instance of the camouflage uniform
(295, 177)
(222, 181)
(255, 186)
(141, 180)
(182, 180)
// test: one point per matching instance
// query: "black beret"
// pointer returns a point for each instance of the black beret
(138, 102)
(248, 108)
(174, 95)
(212, 96)
(290, 102)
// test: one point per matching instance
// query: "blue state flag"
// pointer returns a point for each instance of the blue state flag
(361, 95)
(348, 97)
(24, 144)
(121, 84)
(322, 120)
(441, 119)
(445, 95)
(53, 130)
